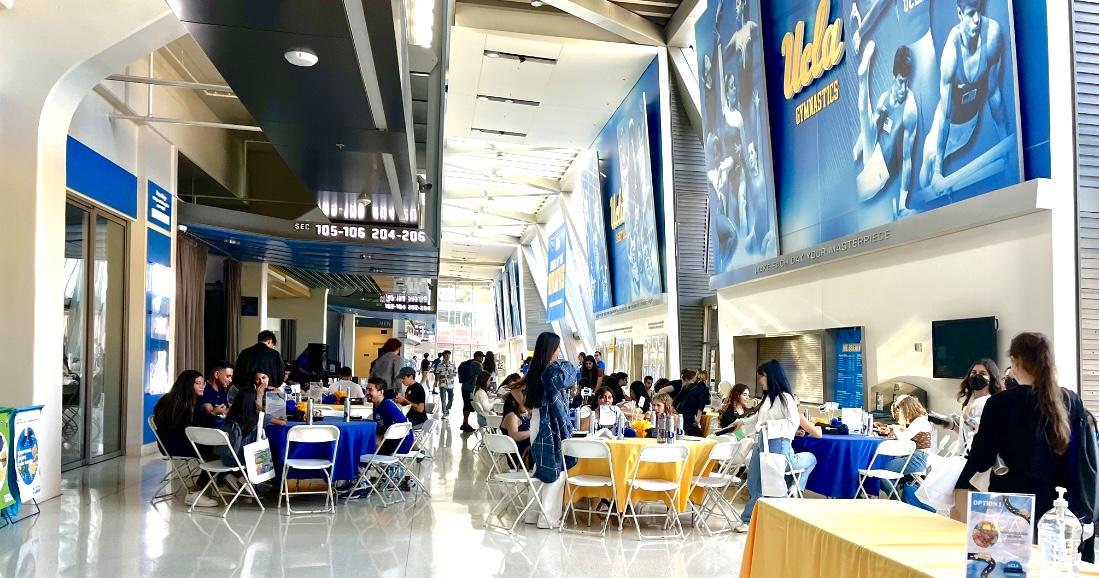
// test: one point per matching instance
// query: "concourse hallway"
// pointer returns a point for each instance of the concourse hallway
(103, 525)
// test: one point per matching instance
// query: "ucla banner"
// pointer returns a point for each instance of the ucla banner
(595, 232)
(824, 119)
(739, 171)
(25, 443)
(630, 161)
(885, 109)
(555, 286)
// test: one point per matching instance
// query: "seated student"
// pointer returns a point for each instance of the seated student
(174, 412)
(415, 396)
(912, 424)
(662, 405)
(516, 424)
(247, 406)
(639, 395)
(602, 403)
(505, 386)
(345, 384)
(736, 405)
(482, 403)
(214, 401)
(386, 413)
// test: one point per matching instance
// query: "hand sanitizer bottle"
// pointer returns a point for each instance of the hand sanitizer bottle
(1058, 541)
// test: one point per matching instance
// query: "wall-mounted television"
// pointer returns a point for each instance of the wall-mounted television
(957, 343)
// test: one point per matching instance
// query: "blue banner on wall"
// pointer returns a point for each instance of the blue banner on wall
(630, 164)
(849, 367)
(737, 143)
(555, 282)
(97, 177)
(595, 232)
(516, 309)
(159, 205)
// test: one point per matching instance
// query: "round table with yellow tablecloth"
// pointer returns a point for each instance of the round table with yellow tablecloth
(624, 456)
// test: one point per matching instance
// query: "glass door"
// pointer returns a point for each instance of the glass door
(93, 381)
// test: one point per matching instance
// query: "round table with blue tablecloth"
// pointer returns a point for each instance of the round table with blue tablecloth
(356, 439)
(839, 458)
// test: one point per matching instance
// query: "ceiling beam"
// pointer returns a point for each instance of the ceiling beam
(614, 19)
(455, 261)
(466, 238)
(526, 218)
(680, 29)
(494, 193)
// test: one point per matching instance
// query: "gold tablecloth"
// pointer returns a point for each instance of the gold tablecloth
(624, 455)
(855, 539)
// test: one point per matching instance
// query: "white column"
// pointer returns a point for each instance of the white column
(54, 53)
(253, 283)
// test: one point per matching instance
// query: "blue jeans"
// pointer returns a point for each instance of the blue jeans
(918, 463)
(799, 461)
(446, 398)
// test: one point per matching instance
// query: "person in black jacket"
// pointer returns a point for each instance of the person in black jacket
(1036, 429)
(262, 356)
(248, 404)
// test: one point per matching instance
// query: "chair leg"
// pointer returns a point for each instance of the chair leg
(200, 494)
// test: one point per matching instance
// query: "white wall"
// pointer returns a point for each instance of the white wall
(634, 325)
(253, 283)
(310, 313)
(1002, 270)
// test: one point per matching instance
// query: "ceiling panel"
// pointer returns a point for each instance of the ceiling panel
(508, 78)
(503, 116)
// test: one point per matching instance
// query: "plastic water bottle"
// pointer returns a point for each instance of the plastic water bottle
(679, 423)
(1059, 535)
(347, 409)
(660, 429)
(309, 411)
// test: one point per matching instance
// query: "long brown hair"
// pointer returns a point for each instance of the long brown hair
(1032, 352)
(734, 394)
(995, 380)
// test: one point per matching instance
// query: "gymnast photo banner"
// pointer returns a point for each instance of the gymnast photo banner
(555, 274)
(882, 109)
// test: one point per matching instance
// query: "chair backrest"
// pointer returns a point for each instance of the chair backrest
(723, 451)
(744, 450)
(428, 426)
(313, 434)
(397, 431)
(896, 448)
(500, 444)
(493, 421)
(664, 454)
(205, 436)
(584, 448)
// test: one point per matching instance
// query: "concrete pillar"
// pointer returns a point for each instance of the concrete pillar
(55, 52)
(347, 340)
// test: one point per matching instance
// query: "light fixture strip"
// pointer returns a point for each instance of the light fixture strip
(499, 132)
(507, 100)
(519, 57)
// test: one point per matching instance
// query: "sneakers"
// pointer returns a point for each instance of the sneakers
(741, 529)
(193, 499)
(233, 483)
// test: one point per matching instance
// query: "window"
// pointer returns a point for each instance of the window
(466, 321)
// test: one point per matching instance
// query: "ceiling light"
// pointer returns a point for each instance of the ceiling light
(364, 199)
(536, 3)
(492, 54)
(301, 57)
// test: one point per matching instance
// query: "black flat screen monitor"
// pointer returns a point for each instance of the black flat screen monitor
(958, 343)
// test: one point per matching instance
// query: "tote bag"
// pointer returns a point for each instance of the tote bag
(772, 469)
(258, 461)
(937, 490)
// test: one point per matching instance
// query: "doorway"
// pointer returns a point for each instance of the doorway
(93, 374)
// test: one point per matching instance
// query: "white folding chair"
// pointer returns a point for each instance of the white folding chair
(410, 460)
(676, 454)
(425, 437)
(723, 460)
(584, 449)
(740, 462)
(181, 470)
(492, 426)
(381, 464)
(310, 434)
(887, 449)
(203, 436)
(516, 484)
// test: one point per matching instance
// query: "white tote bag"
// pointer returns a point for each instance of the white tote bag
(258, 461)
(772, 469)
(937, 490)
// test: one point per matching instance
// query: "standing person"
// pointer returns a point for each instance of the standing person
(982, 381)
(580, 364)
(1036, 429)
(468, 371)
(490, 363)
(674, 388)
(263, 356)
(690, 403)
(415, 396)
(526, 366)
(444, 378)
(389, 363)
(591, 373)
(779, 411)
(547, 388)
(425, 370)
(599, 361)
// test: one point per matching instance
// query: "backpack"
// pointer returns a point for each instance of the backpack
(1084, 461)
(463, 369)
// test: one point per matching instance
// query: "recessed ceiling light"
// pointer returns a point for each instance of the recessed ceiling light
(536, 3)
(301, 57)
(492, 54)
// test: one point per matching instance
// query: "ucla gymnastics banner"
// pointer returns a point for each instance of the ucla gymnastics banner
(555, 286)
(25, 427)
(629, 161)
(858, 114)
(737, 145)
(6, 497)
(595, 232)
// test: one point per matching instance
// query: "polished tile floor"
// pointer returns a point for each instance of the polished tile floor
(103, 525)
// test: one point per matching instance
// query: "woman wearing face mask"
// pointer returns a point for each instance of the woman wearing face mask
(982, 381)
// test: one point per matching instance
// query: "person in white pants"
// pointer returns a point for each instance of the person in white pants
(552, 495)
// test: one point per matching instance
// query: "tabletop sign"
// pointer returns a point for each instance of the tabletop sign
(363, 233)
(999, 531)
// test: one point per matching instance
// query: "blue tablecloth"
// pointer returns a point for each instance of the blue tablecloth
(839, 458)
(356, 438)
